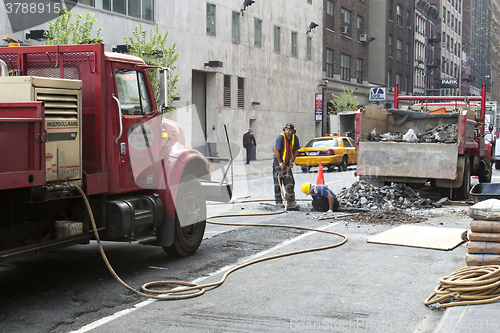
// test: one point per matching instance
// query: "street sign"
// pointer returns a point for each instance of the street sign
(319, 107)
(378, 94)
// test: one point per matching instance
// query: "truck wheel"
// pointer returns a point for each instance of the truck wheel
(305, 169)
(190, 218)
(462, 193)
(485, 172)
(343, 165)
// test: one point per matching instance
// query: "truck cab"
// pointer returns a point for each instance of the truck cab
(141, 180)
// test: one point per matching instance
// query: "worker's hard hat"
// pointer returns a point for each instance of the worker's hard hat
(305, 188)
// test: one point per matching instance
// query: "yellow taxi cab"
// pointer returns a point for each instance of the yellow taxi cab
(331, 151)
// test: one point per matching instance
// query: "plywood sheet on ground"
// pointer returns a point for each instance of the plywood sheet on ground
(420, 236)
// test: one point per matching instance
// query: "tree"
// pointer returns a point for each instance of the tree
(343, 102)
(61, 32)
(155, 53)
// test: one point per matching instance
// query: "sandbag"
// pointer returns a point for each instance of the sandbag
(483, 236)
(483, 247)
(482, 259)
(486, 210)
(485, 226)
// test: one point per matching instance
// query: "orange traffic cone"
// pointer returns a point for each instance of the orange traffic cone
(321, 179)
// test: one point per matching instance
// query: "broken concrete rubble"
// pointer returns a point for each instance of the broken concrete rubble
(397, 195)
(446, 133)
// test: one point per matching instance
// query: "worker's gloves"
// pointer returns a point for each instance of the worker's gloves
(282, 166)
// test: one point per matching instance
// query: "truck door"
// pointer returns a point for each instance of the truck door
(132, 93)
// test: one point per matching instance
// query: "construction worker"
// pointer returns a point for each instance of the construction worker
(324, 200)
(285, 152)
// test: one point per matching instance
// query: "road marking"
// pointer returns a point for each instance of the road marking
(137, 306)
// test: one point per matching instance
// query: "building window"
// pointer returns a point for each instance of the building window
(310, 1)
(399, 15)
(277, 38)
(329, 63)
(391, 4)
(359, 24)
(309, 48)
(408, 23)
(443, 68)
(389, 74)
(236, 27)
(119, 7)
(359, 71)
(329, 15)
(210, 19)
(407, 53)
(398, 79)
(346, 21)
(444, 15)
(142, 9)
(389, 46)
(406, 88)
(227, 91)
(399, 49)
(294, 44)
(345, 67)
(459, 28)
(257, 39)
(241, 93)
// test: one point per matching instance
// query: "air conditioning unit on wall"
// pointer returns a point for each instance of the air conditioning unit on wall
(344, 29)
(363, 37)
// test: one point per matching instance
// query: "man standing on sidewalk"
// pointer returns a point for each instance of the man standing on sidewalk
(249, 143)
(285, 152)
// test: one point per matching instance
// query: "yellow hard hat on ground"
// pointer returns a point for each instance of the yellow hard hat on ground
(305, 188)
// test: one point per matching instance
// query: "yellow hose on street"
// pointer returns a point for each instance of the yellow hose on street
(467, 286)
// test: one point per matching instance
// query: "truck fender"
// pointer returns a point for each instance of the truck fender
(165, 232)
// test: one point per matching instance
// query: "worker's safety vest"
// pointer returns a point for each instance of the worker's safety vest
(288, 148)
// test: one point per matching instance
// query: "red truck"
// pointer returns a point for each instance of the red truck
(446, 164)
(75, 115)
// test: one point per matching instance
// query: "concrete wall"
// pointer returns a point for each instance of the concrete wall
(284, 85)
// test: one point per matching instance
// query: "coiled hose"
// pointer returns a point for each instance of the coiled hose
(467, 286)
(180, 293)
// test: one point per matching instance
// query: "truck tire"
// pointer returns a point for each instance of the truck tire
(462, 193)
(191, 211)
(485, 171)
(305, 169)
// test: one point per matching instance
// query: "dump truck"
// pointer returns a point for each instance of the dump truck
(387, 153)
(80, 124)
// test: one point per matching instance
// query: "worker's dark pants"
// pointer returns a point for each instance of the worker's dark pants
(321, 205)
(287, 181)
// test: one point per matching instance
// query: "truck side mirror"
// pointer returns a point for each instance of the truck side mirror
(164, 90)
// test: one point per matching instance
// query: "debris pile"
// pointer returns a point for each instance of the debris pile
(390, 217)
(446, 133)
(397, 195)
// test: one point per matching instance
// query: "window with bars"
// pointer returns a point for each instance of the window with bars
(227, 91)
(142, 9)
(277, 37)
(329, 15)
(236, 27)
(359, 71)
(294, 44)
(257, 41)
(329, 63)
(210, 19)
(241, 93)
(345, 67)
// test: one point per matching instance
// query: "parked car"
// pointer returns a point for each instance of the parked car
(331, 151)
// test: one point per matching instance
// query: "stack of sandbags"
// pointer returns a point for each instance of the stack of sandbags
(483, 247)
